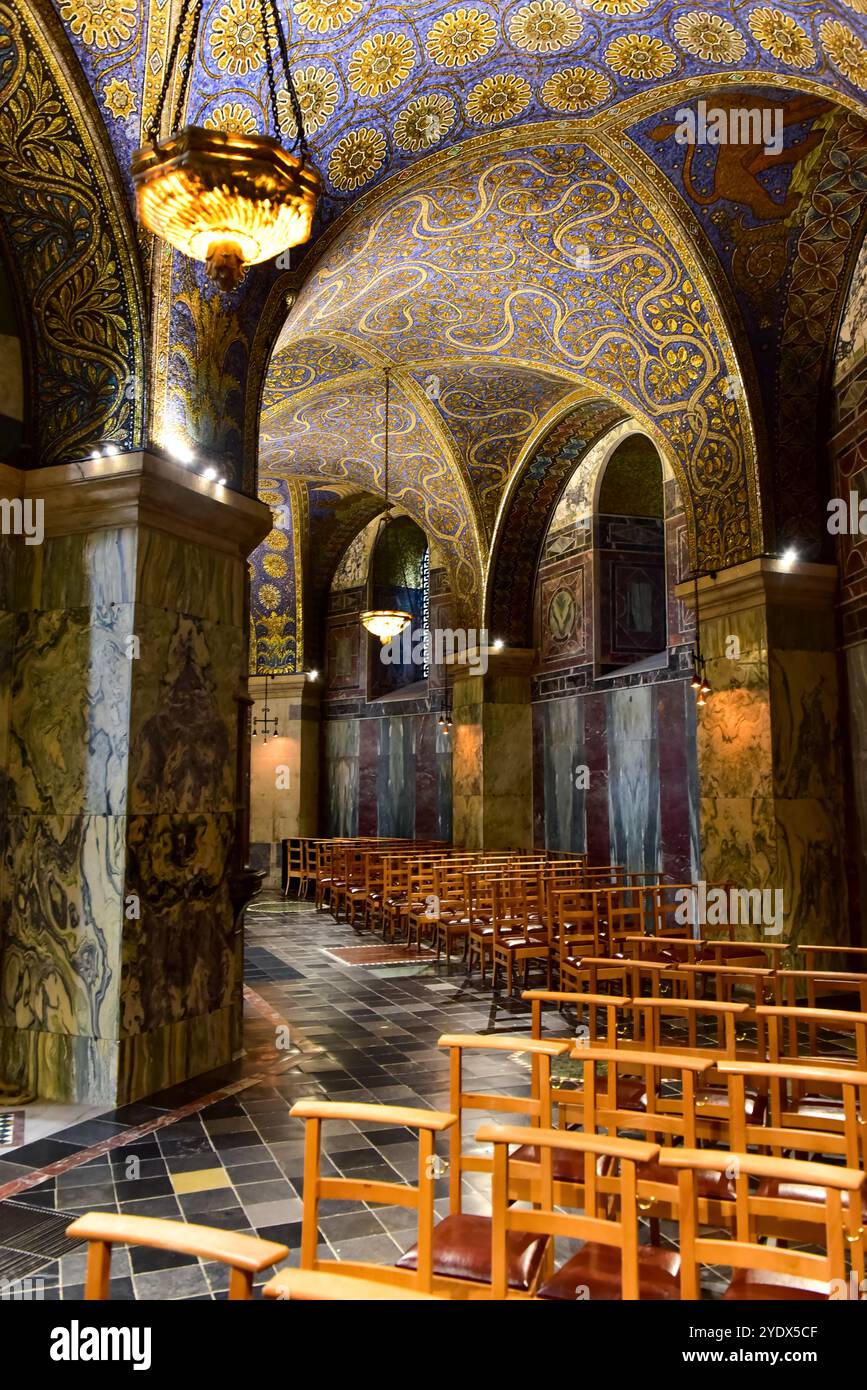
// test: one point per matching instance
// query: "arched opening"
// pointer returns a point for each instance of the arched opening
(400, 580)
(629, 554)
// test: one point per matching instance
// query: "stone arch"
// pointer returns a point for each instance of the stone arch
(67, 223)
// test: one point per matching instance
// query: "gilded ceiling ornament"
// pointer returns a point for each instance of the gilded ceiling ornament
(317, 95)
(424, 122)
(270, 497)
(618, 7)
(275, 566)
(237, 45)
(324, 15)
(845, 50)
(498, 98)
(276, 540)
(269, 595)
(859, 6)
(640, 55)
(119, 98)
(710, 36)
(381, 63)
(233, 117)
(460, 37)
(783, 37)
(356, 158)
(575, 89)
(106, 23)
(545, 26)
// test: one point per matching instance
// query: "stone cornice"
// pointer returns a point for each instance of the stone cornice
(142, 489)
(760, 583)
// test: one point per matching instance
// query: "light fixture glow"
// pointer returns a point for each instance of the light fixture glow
(498, 644)
(385, 623)
(789, 557)
(226, 198)
(313, 675)
(210, 474)
(179, 450)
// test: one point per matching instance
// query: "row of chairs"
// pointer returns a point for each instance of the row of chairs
(740, 1203)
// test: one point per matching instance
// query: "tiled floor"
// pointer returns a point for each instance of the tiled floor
(233, 1156)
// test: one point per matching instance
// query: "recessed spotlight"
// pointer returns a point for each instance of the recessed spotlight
(110, 450)
(789, 557)
(210, 474)
(499, 644)
(313, 675)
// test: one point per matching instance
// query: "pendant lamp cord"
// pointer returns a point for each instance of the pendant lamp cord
(269, 17)
(387, 391)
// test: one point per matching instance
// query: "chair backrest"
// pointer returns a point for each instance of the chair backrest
(672, 1116)
(745, 1251)
(599, 1223)
(794, 1035)
(651, 1026)
(245, 1255)
(419, 1198)
(536, 1105)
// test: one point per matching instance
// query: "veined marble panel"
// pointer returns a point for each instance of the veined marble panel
(61, 921)
(70, 711)
(184, 577)
(341, 763)
(87, 571)
(179, 956)
(807, 738)
(183, 720)
(633, 788)
(395, 790)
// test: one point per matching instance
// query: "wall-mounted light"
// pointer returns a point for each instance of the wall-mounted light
(789, 557)
(499, 644)
(313, 675)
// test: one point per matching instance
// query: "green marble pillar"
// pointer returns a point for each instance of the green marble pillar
(492, 758)
(120, 956)
(770, 742)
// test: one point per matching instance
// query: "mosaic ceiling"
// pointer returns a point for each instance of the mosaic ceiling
(547, 246)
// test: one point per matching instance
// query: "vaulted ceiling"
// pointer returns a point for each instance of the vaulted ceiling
(512, 224)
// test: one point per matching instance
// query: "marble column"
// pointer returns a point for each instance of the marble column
(492, 758)
(770, 741)
(124, 660)
(284, 772)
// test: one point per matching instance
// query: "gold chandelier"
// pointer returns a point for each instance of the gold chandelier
(386, 623)
(230, 200)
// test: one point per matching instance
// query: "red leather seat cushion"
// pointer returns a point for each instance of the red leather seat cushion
(802, 1192)
(733, 950)
(462, 1250)
(597, 1269)
(568, 1166)
(769, 1285)
(712, 1185)
(821, 1107)
(756, 1103)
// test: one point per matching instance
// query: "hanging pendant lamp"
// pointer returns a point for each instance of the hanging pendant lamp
(386, 623)
(230, 200)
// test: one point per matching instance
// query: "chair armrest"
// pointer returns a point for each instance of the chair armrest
(228, 1247)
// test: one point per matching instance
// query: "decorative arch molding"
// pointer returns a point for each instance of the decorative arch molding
(67, 224)
(333, 528)
(526, 514)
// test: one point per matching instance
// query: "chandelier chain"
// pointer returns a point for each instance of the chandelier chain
(301, 140)
(153, 129)
(387, 391)
(269, 16)
(269, 64)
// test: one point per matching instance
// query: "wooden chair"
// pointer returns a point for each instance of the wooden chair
(767, 1271)
(611, 1265)
(519, 936)
(428, 1123)
(324, 851)
(462, 1241)
(245, 1255)
(293, 864)
(308, 867)
(316, 1286)
(787, 1130)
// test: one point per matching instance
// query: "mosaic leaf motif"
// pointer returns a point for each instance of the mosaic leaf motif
(67, 238)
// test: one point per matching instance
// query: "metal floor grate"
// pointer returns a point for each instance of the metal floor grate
(31, 1237)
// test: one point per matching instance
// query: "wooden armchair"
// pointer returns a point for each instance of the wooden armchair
(245, 1255)
(419, 1198)
(611, 1264)
(768, 1271)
